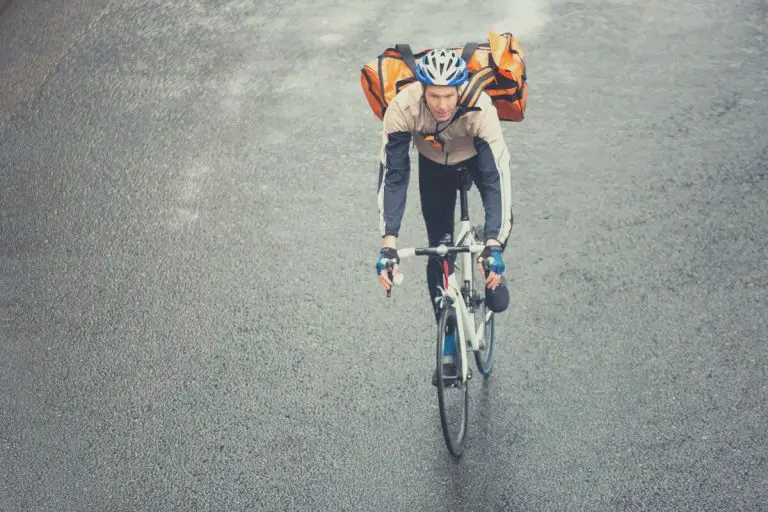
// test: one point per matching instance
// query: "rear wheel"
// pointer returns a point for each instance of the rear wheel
(484, 356)
(483, 317)
(452, 393)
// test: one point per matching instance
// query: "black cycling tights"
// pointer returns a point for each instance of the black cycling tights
(438, 186)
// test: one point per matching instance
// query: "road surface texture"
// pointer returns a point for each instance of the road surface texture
(189, 317)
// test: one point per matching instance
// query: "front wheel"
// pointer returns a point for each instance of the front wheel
(452, 393)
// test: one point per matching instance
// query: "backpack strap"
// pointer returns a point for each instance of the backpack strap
(469, 49)
(400, 84)
(479, 81)
(407, 53)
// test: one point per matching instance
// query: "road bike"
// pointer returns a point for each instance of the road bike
(461, 310)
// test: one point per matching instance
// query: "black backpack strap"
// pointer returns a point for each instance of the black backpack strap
(481, 79)
(405, 51)
(400, 84)
(468, 50)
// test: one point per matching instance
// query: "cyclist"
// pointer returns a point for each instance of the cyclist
(447, 137)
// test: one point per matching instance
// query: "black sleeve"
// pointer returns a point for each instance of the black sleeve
(394, 175)
(489, 186)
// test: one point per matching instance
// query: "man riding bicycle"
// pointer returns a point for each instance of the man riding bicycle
(447, 138)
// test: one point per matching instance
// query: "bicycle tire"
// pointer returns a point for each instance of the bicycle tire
(455, 442)
(484, 356)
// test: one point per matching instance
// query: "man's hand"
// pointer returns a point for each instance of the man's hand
(492, 260)
(386, 255)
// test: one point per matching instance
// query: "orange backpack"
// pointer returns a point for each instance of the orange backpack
(496, 67)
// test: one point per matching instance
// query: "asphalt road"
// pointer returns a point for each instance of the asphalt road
(189, 319)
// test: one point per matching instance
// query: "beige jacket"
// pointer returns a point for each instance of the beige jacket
(476, 133)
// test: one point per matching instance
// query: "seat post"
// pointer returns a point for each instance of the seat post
(463, 187)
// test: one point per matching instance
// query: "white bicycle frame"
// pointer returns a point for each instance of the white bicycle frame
(469, 338)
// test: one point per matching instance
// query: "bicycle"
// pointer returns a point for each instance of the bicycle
(461, 309)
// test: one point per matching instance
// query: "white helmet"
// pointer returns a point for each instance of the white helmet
(442, 67)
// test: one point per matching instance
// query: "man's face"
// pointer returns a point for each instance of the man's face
(441, 100)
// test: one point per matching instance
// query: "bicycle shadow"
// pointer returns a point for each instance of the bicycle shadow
(481, 478)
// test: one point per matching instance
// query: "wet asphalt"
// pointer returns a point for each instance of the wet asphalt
(189, 319)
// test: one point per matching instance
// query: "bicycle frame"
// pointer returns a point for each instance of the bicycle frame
(469, 338)
(468, 245)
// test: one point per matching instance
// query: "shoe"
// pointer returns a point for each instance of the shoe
(449, 348)
(498, 300)
(449, 367)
